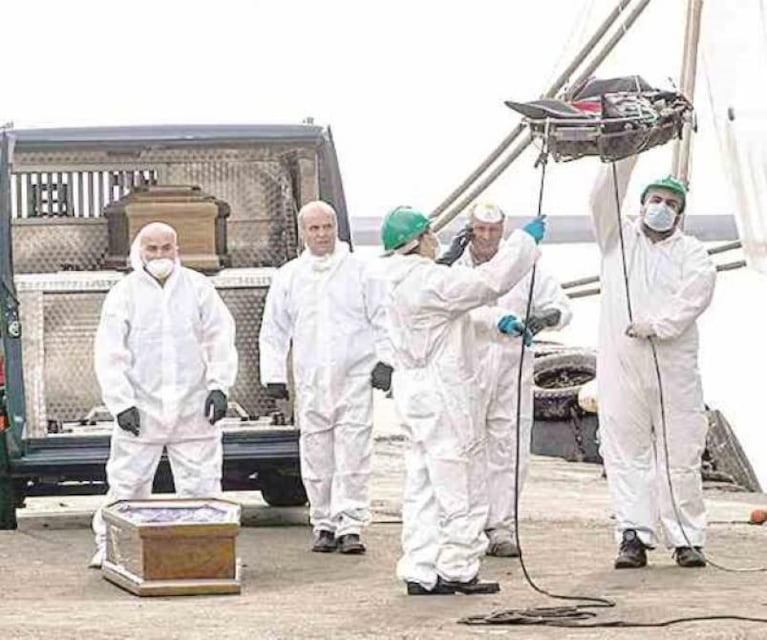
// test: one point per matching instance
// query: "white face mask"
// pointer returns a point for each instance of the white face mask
(659, 217)
(160, 268)
(321, 263)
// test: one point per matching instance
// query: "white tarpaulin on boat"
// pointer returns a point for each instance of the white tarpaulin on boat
(735, 61)
(744, 142)
(733, 84)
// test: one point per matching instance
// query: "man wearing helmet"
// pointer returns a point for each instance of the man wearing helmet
(670, 282)
(437, 395)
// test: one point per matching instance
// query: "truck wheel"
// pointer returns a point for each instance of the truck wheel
(8, 502)
(282, 490)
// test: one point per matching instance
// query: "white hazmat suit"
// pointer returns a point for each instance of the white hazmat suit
(500, 355)
(332, 314)
(671, 283)
(161, 349)
(438, 395)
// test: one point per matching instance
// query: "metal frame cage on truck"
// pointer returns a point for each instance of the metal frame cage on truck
(54, 274)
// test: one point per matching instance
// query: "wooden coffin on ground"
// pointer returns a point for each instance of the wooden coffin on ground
(173, 546)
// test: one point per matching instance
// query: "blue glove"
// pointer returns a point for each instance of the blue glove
(512, 326)
(536, 228)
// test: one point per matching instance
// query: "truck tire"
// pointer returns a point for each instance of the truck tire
(282, 490)
(557, 379)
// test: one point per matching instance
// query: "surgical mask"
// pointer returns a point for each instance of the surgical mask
(325, 262)
(160, 268)
(322, 263)
(659, 217)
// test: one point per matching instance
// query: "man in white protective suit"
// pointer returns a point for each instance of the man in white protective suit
(438, 396)
(671, 282)
(165, 360)
(500, 355)
(329, 308)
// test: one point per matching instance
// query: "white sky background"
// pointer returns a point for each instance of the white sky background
(413, 90)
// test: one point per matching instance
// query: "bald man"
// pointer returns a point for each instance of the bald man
(327, 305)
(165, 361)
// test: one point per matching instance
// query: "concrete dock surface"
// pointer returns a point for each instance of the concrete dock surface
(289, 592)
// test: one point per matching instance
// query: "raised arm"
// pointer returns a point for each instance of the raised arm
(602, 201)
(465, 289)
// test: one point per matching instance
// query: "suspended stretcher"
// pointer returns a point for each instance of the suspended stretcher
(611, 119)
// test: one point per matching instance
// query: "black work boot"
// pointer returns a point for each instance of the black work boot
(417, 589)
(631, 554)
(690, 557)
(351, 544)
(324, 542)
(450, 587)
(469, 588)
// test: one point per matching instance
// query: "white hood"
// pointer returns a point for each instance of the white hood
(396, 267)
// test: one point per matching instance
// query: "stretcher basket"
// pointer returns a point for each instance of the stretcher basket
(627, 124)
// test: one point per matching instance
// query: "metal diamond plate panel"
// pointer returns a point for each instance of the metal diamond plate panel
(47, 246)
(254, 243)
(70, 322)
(247, 307)
(69, 388)
(261, 229)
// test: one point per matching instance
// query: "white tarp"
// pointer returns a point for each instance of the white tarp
(734, 51)
(744, 143)
(734, 346)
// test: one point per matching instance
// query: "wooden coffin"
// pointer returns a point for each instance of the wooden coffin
(172, 547)
(198, 218)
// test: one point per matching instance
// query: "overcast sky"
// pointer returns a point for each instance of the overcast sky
(413, 90)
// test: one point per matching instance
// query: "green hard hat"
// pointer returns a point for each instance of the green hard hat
(401, 225)
(670, 183)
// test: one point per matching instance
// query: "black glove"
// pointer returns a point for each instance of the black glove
(277, 390)
(541, 321)
(215, 406)
(457, 247)
(129, 420)
(381, 376)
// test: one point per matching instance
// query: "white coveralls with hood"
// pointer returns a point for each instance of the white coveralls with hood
(331, 312)
(162, 349)
(500, 355)
(671, 283)
(438, 394)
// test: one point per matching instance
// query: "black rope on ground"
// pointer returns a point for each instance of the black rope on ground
(573, 617)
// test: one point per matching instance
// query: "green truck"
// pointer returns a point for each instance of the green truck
(55, 271)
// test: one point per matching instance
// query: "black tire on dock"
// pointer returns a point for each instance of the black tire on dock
(557, 380)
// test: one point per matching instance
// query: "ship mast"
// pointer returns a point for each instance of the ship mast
(680, 164)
